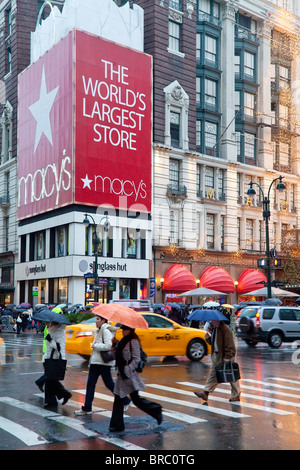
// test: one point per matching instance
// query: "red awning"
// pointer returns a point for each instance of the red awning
(248, 280)
(178, 278)
(217, 278)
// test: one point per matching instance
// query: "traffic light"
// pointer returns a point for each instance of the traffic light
(262, 263)
(277, 262)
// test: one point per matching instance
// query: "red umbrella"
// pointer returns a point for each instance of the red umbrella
(121, 314)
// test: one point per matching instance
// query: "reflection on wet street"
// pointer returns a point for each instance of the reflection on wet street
(267, 417)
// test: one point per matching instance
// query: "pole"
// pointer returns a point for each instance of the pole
(266, 215)
(96, 271)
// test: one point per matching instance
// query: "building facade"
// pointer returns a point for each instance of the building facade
(58, 258)
(226, 112)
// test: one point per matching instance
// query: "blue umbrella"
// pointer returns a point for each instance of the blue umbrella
(207, 315)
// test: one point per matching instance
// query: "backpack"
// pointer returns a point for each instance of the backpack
(143, 361)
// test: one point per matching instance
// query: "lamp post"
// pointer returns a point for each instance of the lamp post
(96, 242)
(266, 215)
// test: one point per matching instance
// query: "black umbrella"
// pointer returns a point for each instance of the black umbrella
(49, 316)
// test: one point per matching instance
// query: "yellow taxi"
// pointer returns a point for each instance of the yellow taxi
(164, 337)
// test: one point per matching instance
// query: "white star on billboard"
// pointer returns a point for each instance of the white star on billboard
(41, 112)
(86, 182)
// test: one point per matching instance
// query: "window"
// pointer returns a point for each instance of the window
(211, 50)
(249, 104)
(198, 180)
(209, 7)
(198, 134)
(8, 51)
(198, 91)
(221, 181)
(204, 6)
(175, 4)
(222, 232)
(249, 234)
(6, 126)
(283, 115)
(174, 226)
(198, 47)
(39, 245)
(284, 76)
(249, 64)
(175, 128)
(284, 153)
(210, 231)
(174, 166)
(210, 93)
(268, 313)
(8, 22)
(174, 36)
(287, 314)
(249, 145)
(62, 241)
(131, 243)
(237, 64)
(176, 116)
(211, 130)
(209, 179)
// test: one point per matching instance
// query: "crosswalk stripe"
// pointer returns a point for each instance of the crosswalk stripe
(266, 390)
(210, 409)
(27, 407)
(74, 424)
(25, 435)
(172, 414)
(224, 400)
(120, 443)
(280, 379)
(271, 384)
(248, 395)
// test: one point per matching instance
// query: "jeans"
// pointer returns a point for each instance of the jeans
(94, 372)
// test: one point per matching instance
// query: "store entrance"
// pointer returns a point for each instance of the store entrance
(97, 293)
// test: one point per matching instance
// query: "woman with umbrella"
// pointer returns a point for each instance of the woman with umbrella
(223, 350)
(128, 381)
(128, 356)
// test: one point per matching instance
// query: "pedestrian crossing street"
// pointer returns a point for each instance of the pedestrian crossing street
(272, 396)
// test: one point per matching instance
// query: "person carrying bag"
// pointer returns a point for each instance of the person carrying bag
(128, 357)
(55, 365)
(100, 365)
(223, 352)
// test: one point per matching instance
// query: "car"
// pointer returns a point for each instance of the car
(164, 337)
(268, 324)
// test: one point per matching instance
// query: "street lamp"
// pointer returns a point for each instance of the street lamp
(266, 215)
(96, 242)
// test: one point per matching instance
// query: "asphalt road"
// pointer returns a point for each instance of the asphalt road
(266, 418)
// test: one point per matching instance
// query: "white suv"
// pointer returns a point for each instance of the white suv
(272, 325)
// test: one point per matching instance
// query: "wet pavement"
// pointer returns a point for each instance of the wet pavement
(266, 418)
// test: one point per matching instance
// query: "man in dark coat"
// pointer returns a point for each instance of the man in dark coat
(222, 350)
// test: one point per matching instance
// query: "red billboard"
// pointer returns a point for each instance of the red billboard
(85, 128)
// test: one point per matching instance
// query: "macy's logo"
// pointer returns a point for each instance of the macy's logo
(116, 186)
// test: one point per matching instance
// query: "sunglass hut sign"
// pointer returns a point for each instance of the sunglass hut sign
(89, 143)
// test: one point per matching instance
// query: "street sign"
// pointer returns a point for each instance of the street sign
(88, 275)
(35, 290)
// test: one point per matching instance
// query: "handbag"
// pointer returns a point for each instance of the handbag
(55, 369)
(108, 356)
(231, 373)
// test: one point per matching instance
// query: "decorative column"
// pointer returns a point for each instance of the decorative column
(228, 143)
